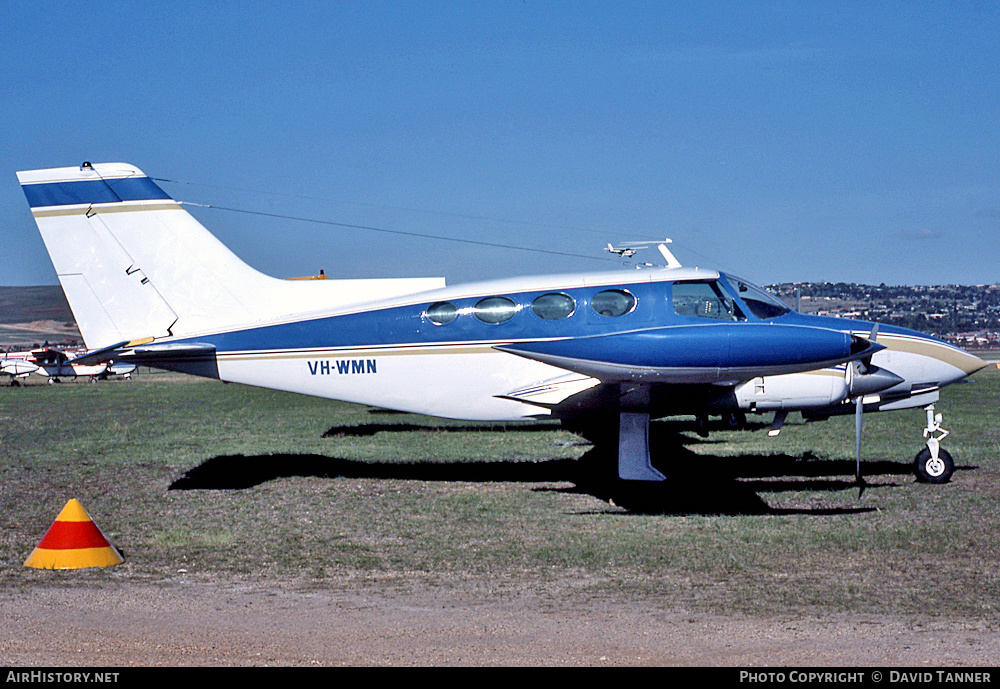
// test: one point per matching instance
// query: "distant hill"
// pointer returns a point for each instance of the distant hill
(28, 304)
(964, 314)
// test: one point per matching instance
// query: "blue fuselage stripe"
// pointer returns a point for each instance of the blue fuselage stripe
(407, 325)
(93, 191)
(651, 335)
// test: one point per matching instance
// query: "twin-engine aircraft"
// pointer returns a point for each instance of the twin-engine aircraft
(148, 284)
(57, 364)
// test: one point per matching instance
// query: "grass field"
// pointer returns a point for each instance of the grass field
(193, 478)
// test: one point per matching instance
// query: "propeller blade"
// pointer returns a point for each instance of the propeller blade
(864, 365)
(859, 408)
(862, 377)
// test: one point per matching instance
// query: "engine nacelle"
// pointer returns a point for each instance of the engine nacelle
(793, 391)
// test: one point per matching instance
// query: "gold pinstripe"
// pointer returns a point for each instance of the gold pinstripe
(965, 362)
(117, 207)
(399, 351)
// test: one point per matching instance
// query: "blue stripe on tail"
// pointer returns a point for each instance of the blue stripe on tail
(93, 191)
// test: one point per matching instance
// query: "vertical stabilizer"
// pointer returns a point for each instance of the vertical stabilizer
(134, 264)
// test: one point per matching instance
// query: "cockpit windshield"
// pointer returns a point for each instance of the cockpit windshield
(761, 304)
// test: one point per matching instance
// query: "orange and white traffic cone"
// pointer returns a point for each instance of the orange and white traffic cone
(73, 542)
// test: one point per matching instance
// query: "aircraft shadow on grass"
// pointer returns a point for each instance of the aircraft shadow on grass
(697, 483)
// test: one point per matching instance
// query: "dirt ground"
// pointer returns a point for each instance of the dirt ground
(192, 623)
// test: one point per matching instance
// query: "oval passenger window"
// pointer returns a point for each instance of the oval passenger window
(495, 309)
(553, 306)
(613, 302)
(442, 312)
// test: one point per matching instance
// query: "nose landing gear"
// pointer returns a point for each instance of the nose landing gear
(933, 464)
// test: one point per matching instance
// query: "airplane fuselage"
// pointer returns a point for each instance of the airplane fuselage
(526, 347)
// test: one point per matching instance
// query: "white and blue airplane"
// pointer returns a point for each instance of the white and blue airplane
(148, 284)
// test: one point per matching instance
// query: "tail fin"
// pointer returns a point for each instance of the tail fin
(135, 265)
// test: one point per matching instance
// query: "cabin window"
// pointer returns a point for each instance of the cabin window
(441, 313)
(495, 309)
(553, 306)
(704, 300)
(613, 302)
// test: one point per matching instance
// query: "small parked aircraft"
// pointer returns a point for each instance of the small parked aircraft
(57, 364)
(149, 284)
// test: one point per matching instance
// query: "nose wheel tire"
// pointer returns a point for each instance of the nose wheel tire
(931, 470)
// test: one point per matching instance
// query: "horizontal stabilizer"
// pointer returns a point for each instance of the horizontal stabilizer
(105, 354)
(144, 353)
(167, 350)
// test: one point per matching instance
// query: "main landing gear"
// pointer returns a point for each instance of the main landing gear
(933, 464)
(731, 421)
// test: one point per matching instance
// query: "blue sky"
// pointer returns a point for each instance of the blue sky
(783, 141)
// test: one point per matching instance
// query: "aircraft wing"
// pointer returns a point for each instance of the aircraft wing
(722, 353)
(550, 393)
(48, 355)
